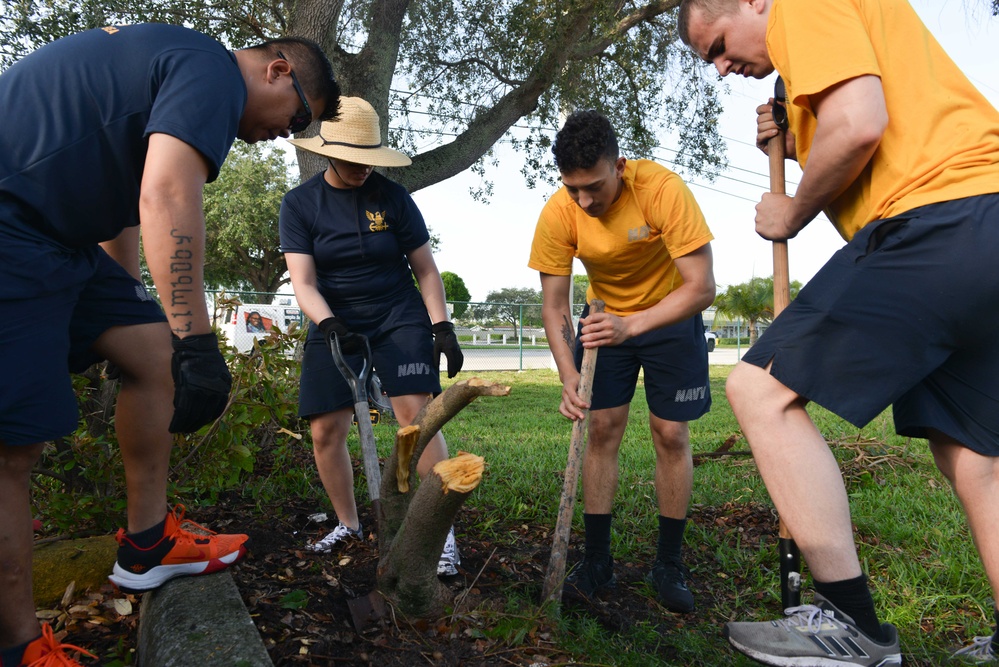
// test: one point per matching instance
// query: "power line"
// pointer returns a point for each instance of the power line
(439, 134)
(721, 192)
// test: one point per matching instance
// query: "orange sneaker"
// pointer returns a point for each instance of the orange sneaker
(47, 651)
(180, 552)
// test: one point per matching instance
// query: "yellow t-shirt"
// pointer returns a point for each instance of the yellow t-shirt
(628, 252)
(942, 139)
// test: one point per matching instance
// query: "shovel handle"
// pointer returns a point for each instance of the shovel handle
(358, 381)
(359, 388)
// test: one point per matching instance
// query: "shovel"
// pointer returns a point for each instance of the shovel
(359, 388)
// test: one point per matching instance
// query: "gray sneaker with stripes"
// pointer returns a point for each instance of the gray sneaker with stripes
(816, 635)
(981, 651)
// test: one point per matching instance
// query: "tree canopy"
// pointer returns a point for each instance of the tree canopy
(752, 301)
(241, 221)
(508, 68)
(513, 305)
(455, 290)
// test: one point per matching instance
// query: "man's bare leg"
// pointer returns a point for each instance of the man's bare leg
(17, 613)
(142, 416)
(600, 464)
(674, 466)
(975, 479)
(799, 471)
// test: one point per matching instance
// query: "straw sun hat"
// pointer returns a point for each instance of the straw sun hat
(354, 137)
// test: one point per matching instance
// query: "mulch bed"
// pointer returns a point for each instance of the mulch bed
(300, 601)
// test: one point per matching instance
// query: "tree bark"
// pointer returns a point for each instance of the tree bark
(415, 519)
(407, 571)
(369, 72)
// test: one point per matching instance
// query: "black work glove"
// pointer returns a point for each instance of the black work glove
(446, 343)
(350, 343)
(201, 382)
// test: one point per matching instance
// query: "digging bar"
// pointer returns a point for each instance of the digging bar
(790, 557)
(555, 576)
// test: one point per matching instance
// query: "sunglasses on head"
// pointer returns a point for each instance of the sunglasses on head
(299, 121)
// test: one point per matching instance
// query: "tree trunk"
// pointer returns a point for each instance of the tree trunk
(415, 519)
(407, 571)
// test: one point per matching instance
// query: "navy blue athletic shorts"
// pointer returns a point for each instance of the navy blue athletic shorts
(903, 315)
(675, 364)
(54, 303)
(402, 347)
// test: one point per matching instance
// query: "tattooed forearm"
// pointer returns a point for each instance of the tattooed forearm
(182, 279)
(567, 333)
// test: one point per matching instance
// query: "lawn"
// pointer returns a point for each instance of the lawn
(912, 539)
(910, 533)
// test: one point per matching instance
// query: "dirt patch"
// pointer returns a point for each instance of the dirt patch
(300, 601)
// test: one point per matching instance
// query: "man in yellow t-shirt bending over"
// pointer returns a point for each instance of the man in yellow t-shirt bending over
(646, 248)
(902, 153)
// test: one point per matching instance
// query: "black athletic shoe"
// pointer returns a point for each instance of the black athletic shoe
(670, 581)
(592, 574)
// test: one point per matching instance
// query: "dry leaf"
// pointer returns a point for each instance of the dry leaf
(123, 606)
(67, 597)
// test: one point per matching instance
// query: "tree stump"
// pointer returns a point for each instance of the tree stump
(415, 517)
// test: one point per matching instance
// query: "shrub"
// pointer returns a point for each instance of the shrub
(79, 485)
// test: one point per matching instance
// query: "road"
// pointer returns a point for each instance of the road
(513, 359)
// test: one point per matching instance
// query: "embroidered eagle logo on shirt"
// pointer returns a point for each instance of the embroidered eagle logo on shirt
(378, 222)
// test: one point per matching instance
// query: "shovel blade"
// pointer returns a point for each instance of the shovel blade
(367, 611)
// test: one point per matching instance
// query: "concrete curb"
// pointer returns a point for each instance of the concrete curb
(198, 621)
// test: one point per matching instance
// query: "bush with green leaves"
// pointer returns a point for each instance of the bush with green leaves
(79, 484)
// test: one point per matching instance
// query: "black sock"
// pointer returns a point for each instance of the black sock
(670, 539)
(598, 534)
(148, 537)
(853, 598)
(995, 635)
(12, 656)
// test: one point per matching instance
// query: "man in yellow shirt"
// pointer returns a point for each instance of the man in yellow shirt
(902, 153)
(646, 248)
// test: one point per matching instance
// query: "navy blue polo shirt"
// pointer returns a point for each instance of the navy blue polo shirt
(77, 114)
(358, 237)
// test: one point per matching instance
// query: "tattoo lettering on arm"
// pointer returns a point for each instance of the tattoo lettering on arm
(181, 281)
(567, 333)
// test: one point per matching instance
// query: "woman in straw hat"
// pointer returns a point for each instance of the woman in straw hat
(353, 241)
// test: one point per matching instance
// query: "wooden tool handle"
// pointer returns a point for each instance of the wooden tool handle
(555, 576)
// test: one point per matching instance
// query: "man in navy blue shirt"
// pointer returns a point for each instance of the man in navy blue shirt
(106, 132)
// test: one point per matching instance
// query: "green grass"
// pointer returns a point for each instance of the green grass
(912, 539)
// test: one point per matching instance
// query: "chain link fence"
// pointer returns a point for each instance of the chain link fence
(493, 336)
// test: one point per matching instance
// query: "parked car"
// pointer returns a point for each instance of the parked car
(711, 338)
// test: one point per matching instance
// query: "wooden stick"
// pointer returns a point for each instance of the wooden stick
(555, 576)
(790, 557)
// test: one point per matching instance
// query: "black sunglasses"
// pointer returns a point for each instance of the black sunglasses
(299, 121)
(779, 108)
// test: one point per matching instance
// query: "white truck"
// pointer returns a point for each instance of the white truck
(255, 320)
